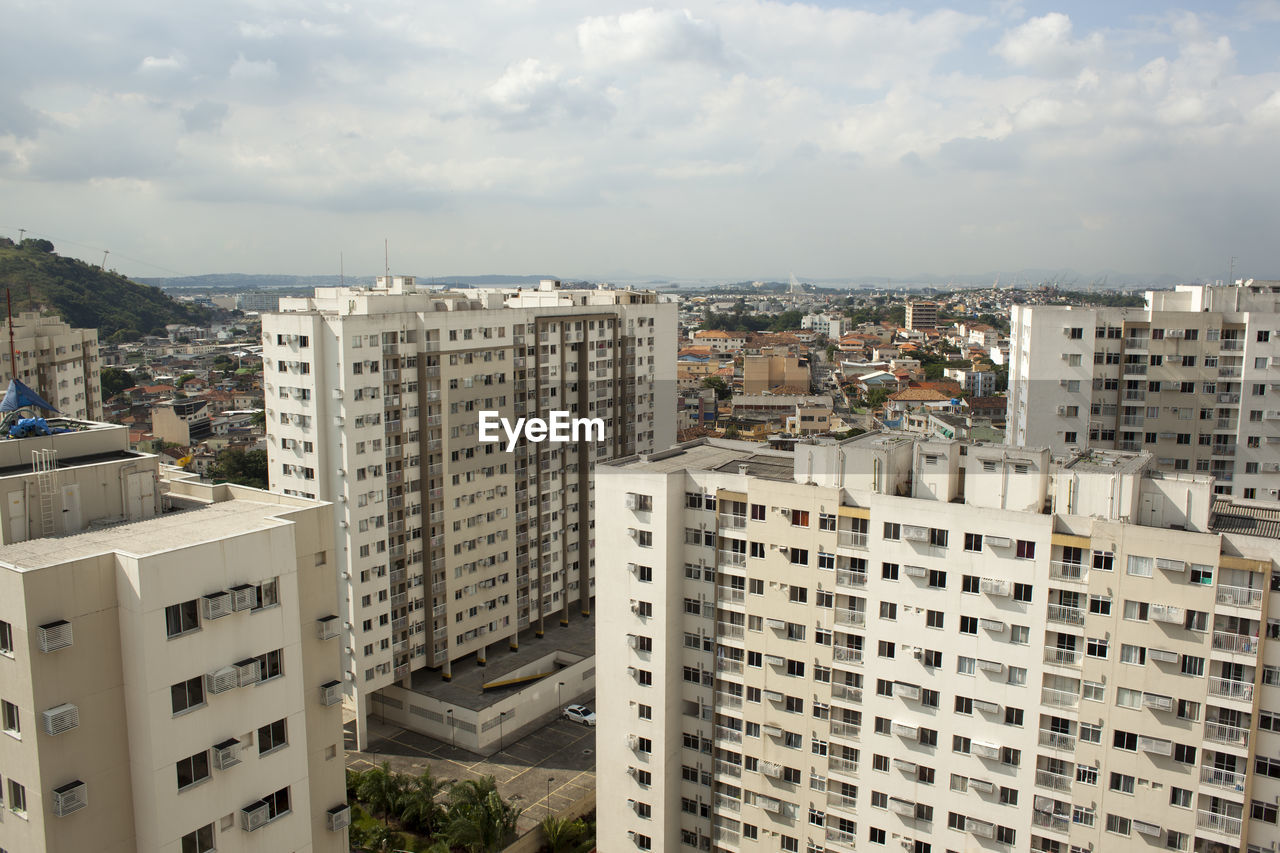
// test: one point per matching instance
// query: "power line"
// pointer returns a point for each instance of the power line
(68, 240)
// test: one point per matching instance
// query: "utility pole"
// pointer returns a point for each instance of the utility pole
(21, 231)
(105, 252)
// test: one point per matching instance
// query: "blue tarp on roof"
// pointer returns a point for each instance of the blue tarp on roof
(19, 396)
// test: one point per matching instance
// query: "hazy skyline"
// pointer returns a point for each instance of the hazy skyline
(608, 140)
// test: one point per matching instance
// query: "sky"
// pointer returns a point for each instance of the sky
(718, 140)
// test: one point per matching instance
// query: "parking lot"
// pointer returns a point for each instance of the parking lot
(545, 766)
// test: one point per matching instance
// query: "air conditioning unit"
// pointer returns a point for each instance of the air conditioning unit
(632, 671)
(998, 541)
(328, 627)
(768, 768)
(248, 671)
(631, 771)
(338, 817)
(54, 635)
(775, 624)
(331, 693)
(254, 816)
(631, 501)
(995, 626)
(244, 597)
(915, 571)
(632, 741)
(773, 695)
(985, 786)
(633, 567)
(633, 641)
(985, 750)
(915, 533)
(222, 680)
(215, 605)
(990, 665)
(1169, 565)
(906, 730)
(68, 798)
(1062, 410)
(226, 754)
(917, 653)
(635, 607)
(59, 719)
(633, 533)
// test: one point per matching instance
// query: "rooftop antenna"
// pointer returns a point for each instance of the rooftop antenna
(13, 352)
(1231, 271)
(105, 252)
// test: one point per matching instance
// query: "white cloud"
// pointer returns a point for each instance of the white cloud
(649, 35)
(252, 69)
(172, 62)
(1045, 44)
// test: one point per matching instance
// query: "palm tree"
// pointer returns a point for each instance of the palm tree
(381, 790)
(562, 835)
(381, 838)
(353, 784)
(480, 821)
(419, 810)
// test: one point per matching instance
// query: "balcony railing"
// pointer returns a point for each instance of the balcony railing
(1063, 657)
(728, 665)
(1222, 823)
(849, 578)
(1059, 698)
(844, 654)
(733, 558)
(1241, 691)
(1053, 781)
(727, 700)
(845, 693)
(724, 801)
(1240, 596)
(1061, 571)
(850, 539)
(1235, 643)
(724, 768)
(851, 618)
(1057, 740)
(1223, 733)
(849, 731)
(837, 800)
(842, 765)
(1222, 778)
(839, 836)
(731, 595)
(726, 733)
(1050, 821)
(1067, 615)
(727, 629)
(733, 522)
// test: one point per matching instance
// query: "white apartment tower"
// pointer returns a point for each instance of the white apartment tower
(1193, 378)
(897, 643)
(449, 545)
(170, 680)
(58, 362)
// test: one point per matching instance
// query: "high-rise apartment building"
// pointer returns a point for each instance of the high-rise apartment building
(169, 670)
(932, 646)
(447, 544)
(921, 314)
(1193, 378)
(58, 362)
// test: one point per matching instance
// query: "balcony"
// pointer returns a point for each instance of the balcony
(1241, 644)
(727, 803)
(847, 766)
(727, 734)
(850, 579)
(847, 840)
(730, 631)
(1053, 781)
(1226, 688)
(1074, 572)
(850, 539)
(735, 524)
(1134, 369)
(845, 693)
(1047, 820)
(846, 655)
(733, 558)
(727, 700)
(1240, 596)
(1059, 698)
(848, 731)
(1066, 615)
(851, 618)
(1062, 657)
(729, 595)
(837, 800)
(724, 768)
(1057, 740)
(1223, 450)
(729, 665)
(1223, 733)
(1227, 779)
(1220, 823)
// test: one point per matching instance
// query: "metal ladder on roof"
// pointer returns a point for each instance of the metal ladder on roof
(45, 464)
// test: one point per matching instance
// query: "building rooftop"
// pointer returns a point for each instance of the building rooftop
(714, 455)
(1251, 520)
(191, 522)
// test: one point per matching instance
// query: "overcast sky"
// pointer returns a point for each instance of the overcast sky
(602, 139)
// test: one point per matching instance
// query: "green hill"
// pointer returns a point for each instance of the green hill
(86, 296)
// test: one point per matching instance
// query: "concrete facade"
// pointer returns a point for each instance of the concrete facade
(1193, 378)
(59, 362)
(449, 546)
(933, 645)
(163, 660)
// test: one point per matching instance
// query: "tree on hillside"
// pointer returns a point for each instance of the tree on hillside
(722, 389)
(244, 468)
(37, 245)
(115, 380)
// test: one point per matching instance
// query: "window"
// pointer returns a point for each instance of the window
(973, 541)
(1096, 647)
(277, 804)
(1087, 774)
(966, 666)
(934, 618)
(17, 798)
(1265, 812)
(1140, 566)
(1008, 796)
(645, 574)
(1192, 666)
(1017, 675)
(644, 538)
(880, 762)
(937, 579)
(1022, 592)
(892, 530)
(932, 658)
(886, 649)
(798, 594)
(964, 705)
(6, 639)
(968, 624)
(757, 512)
(971, 584)
(876, 836)
(644, 677)
(961, 744)
(1127, 741)
(1089, 733)
(1184, 753)
(889, 571)
(186, 695)
(193, 769)
(1131, 654)
(200, 841)
(888, 610)
(1136, 610)
(1094, 691)
(270, 665)
(182, 618)
(1026, 549)
(1121, 782)
(799, 518)
(1013, 717)
(1100, 605)
(879, 800)
(937, 537)
(1019, 634)
(272, 737)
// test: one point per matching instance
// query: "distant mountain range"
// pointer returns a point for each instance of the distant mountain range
(238, 282)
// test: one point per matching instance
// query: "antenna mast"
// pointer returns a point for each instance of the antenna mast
(13, 352)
